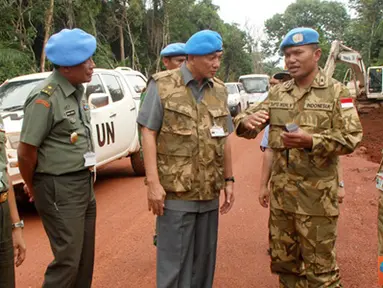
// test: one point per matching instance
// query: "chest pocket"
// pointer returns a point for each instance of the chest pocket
(219, 117)
(316, 116)
(178, 119)
(69, 121)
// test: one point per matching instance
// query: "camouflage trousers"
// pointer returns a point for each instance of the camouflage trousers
(303, 250)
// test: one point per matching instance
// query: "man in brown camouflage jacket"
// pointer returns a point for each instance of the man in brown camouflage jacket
(185, 124)
(304, 183)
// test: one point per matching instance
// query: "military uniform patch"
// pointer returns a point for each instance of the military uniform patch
(44, 102)
(49, 89)
(70, 113)
(318, 106)
(298, 38)
(281, 105)
(346, 103)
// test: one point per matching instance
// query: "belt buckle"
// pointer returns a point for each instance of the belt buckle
(3, 197)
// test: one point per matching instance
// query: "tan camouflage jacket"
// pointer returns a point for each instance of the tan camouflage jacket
(190, 161)
(309, 184)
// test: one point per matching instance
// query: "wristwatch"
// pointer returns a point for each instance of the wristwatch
(230, 179)
(341, 184)
(18, 224)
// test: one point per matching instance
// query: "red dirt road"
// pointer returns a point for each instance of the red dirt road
(125, 255)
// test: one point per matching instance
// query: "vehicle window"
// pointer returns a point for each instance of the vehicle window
(114, 87)
(375, 75)
(255, 84)
(240, 87)
(95, 86)
(138, 83)
(231, 89)
(14, 94)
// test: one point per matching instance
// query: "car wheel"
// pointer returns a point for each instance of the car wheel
(137, 161)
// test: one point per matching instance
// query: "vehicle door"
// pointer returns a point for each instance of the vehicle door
(100, 111)
(243, 96)
(120, 124)
(136, 84)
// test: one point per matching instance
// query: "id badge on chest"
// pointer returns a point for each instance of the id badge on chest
(217, 131)
(379, 181)
(90, 159)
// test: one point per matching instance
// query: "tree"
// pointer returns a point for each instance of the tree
(329, 18)
(366, 30)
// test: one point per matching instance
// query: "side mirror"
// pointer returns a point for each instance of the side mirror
(97, 100)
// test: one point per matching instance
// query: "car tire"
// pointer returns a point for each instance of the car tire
(138, 163)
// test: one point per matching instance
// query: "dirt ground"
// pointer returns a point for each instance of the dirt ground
(125, 255)
(372, 134)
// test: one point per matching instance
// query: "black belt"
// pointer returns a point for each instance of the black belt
(67, 174)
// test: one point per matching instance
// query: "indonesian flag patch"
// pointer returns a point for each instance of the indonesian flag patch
(346, 103)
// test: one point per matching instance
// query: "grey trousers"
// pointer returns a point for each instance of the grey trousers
(7, 268)
(186, 249)
(67, 207)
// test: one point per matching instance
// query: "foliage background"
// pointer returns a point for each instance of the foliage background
(133, 32)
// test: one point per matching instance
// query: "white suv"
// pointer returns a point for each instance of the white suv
(113, 110)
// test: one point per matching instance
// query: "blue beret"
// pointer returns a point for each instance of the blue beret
(174, 49)
(203, 43)
(70, 47)
(299, 37)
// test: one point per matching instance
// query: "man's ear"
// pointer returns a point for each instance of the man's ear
(317, 54)
(165, 61)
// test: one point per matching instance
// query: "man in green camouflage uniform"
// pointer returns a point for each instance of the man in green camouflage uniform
(304, 183)
(12, 246)
(185, 123)
(56, 156)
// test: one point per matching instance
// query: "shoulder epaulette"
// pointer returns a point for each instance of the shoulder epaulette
(162, 74)
(49, 89)
(215, 79)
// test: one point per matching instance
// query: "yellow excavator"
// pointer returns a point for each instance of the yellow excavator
(361, 83)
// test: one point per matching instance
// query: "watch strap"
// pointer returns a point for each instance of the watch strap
(230, 179)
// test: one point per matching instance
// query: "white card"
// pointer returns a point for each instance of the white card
(379, 181)
(217, 131)
(90, 159)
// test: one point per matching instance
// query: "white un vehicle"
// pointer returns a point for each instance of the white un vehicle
(113, 101)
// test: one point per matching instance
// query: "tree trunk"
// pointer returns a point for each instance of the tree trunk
(122, 44)
(122, 28)
(48, 25)
(165, 31)
(70, 14)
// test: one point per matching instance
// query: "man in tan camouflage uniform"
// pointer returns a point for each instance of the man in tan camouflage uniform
(304, 183)
(185, 122)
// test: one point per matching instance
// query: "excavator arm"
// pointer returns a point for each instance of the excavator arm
(342, 53)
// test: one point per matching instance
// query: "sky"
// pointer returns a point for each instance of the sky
(254, 12)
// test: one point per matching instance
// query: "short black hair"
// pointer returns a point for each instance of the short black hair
(315, 46)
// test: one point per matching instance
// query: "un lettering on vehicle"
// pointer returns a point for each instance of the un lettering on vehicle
(105, 133)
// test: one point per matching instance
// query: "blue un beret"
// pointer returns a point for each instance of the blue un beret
(70, 47)
(203, 43)
(299, 37)
(174, 49)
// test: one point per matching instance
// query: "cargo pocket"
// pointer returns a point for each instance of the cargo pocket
(219, 168)
(175, 171)
(325, 251)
